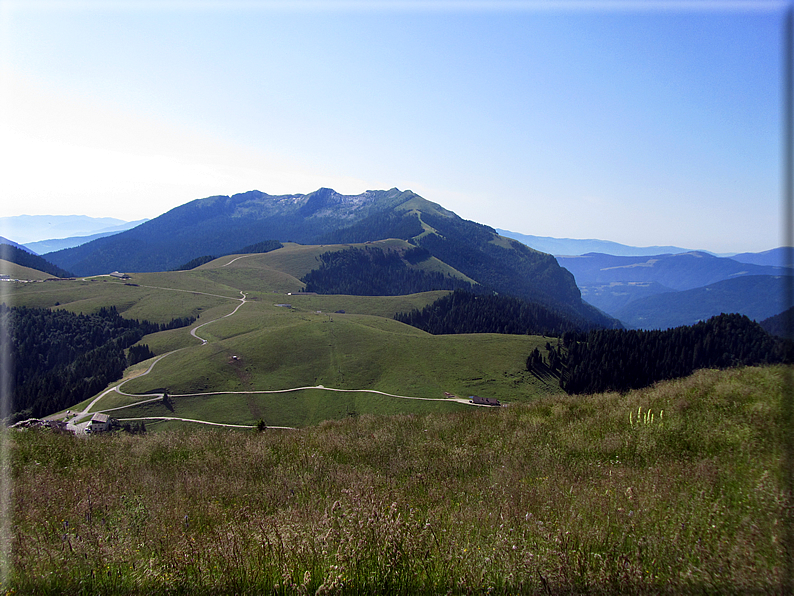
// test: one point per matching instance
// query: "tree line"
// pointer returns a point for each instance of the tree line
(517, 271)
(380, 225)
(620, 360)
(372, 271)
(139, 353)
(12, 254)
(259, 247)
(60, 358)
(469, 312)
(779, 324)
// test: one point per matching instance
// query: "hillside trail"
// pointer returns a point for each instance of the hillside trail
(79, 427)
(207, 422)
(152, 397)
(238, 258)
(195, 329)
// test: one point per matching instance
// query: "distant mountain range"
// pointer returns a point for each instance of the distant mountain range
(43, 247)
(650, 287)
(667, 290)
(571, 246)
(757, 296)
(778, 257)
(682, 271)
(25, 229)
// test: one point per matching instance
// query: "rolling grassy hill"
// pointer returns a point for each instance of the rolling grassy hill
(304, 349)
(165, 298)
(267, 347)
(16, 271)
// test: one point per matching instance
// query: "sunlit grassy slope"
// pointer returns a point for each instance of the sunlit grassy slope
(338, 341)
(15, 271)
(266, 347)
(277, 351)
(157, 297)
(673, 489)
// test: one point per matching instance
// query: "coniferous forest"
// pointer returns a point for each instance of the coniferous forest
(12, 254)
(259, 247)
(620, 360)
(778, 324)
(374, 272)
(193, 263)
(60, 358)
(383, 224)
(467, 312)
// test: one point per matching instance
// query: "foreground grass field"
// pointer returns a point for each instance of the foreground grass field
(672, 489)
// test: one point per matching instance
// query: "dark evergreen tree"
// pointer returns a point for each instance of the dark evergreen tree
(619, 360)
(193, 263)
(138, 354)
(16, 255)
(372, 271)
(259, 247)
(467, 312)
(60, 358)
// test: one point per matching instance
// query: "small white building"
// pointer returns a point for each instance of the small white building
(99, 423)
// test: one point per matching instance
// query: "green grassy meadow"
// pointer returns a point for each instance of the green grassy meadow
(673, 489)
(267, 346)
(293, 409)
(157, 304)
(278, 348)
(15, 271)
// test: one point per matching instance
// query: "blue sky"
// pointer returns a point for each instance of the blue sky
(645, 125)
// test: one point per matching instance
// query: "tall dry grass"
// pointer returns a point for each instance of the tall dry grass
(566, 495)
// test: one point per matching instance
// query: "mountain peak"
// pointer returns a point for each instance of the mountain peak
(323, 192)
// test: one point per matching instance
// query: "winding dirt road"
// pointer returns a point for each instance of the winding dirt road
(201, 339)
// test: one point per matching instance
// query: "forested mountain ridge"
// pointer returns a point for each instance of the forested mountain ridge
(779, 324)
(13, 254)
(466, 312)
(756, 296)
(620, 360)
(373, 271)
(496, 263)
(217, 225)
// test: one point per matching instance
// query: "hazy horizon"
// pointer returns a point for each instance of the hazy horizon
(639, 124)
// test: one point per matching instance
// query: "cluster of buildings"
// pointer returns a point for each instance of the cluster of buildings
(99, 423)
